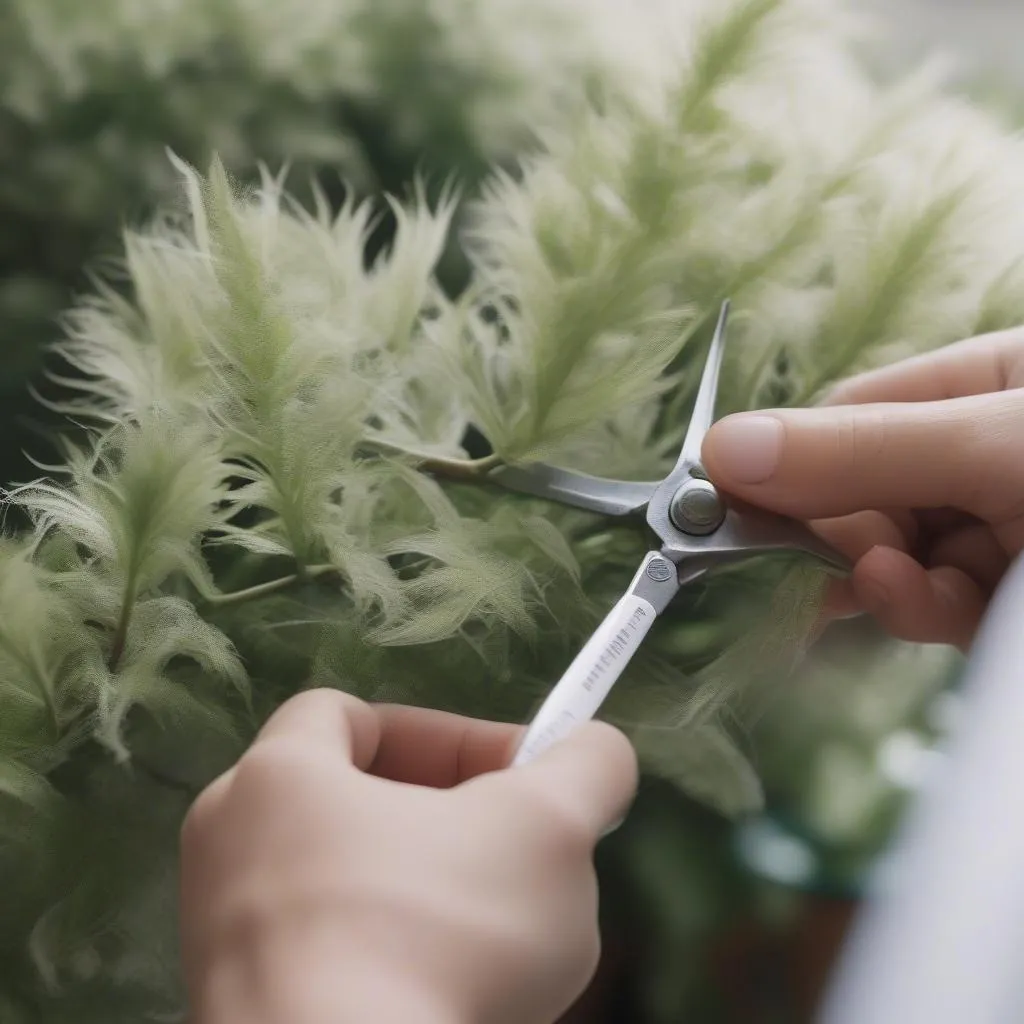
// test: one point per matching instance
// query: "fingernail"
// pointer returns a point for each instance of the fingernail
(747, 448)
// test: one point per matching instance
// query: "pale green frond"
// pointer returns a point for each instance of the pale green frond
(166, 628)
(368, 577)
(140, 502)
(770, 647)
(26, 787)
(705, 763)
(417, 408)
(299, 463)
(468, 580)
(876, 284)
(551, 542)
(603, 260)
(497, 570)
(402, 278)
(441, 602)
(631, 444)
(54, 508)
(252, 334)
(1002, 305)
(277, 388)
(162, 631)
(171, 704)
(399, 482)
(258, 539)
(39, 635)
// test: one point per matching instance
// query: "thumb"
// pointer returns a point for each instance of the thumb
(343, 723)
(593, 774)
(834, 461)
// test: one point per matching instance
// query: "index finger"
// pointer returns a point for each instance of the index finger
(977, 366)
(439, 749)
(326, 716)
(403, 744)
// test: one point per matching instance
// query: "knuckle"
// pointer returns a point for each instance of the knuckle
(324, 700)
(567, 829)
(987, 458)
(273, 761)
(863, 435)
(973, 467)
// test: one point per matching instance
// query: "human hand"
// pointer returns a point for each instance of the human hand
(374, 863)
(915, 471)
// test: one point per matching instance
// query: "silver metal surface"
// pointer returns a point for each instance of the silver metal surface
(707, 395)
(593, 493)
(698, 527)
(697, 530)
(741, 533)
(657, 583)
(697, 508)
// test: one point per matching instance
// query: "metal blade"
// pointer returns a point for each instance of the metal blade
(704, 407)
(593, 493)
(747, 532)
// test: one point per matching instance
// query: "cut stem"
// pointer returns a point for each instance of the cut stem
(449, 469)
(461, 469)
(270, 587)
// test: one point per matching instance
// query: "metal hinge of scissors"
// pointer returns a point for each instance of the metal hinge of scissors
(698, 531)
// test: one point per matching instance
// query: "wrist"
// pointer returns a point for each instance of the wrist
(306, 979)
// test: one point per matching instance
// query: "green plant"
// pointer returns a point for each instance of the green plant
(283, 482)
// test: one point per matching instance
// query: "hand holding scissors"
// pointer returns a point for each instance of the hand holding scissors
(697, 531)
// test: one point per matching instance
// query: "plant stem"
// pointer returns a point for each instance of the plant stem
(460, 469)
(48, 698)
(123, 622)
(270, 587)
(450, 469)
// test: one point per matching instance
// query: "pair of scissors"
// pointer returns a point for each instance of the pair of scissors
(698, 532)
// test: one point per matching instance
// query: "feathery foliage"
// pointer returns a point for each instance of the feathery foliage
(283, 481)
(357, 94)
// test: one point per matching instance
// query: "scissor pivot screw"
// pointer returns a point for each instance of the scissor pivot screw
(660, 570)
(697, 508)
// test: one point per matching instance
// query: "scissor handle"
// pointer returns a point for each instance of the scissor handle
(580, 693)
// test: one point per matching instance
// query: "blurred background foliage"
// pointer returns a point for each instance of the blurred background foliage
(354, 95)
(706, 920)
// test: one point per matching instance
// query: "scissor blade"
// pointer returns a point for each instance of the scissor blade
(748, 532)
(580, 693)
(593, 493)
(704, 407)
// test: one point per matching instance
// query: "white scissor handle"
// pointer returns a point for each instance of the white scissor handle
(595, 670)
